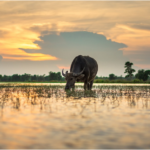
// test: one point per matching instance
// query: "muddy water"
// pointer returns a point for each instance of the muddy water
(48, 117)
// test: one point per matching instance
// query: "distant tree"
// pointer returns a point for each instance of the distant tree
(33, 77)
(46, 78)
(112, 77)
(15, 77)
(25, 77)
(147, 75)
(58, 76)
(6, 78)
(129, 70)
(96, 77)
(41, 77)
(143, 74)
(51, 75)
(120, 77)
(55, 76)
(1, 77)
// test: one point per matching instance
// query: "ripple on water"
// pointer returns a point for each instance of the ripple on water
(48, 117)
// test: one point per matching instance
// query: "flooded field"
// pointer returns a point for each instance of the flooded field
(45, 116)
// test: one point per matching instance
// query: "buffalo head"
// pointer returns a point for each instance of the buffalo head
(71, 78)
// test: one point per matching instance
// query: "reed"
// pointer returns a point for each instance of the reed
(49, 97)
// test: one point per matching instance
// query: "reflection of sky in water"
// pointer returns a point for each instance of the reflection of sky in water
(108, 117)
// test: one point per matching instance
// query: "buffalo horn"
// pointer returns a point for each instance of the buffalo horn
(77, 74)
(63, 73)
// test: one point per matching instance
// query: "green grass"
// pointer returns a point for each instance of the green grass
(120, 81)
(95, 81)
(35, 82)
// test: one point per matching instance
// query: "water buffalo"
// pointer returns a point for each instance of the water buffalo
(83, 69)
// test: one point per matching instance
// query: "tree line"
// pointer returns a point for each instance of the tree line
(142, 75)
(53, 76)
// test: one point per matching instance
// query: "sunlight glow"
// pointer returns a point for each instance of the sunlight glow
(17, 39)
(29, 46)
(31, 57)
(143, 66)
(135, 39)
(63, 67)
(20, 27)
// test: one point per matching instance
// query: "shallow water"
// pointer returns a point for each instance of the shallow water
(47, 117)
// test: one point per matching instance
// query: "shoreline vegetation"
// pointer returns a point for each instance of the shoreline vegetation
(37, 116)
(142, 76)
(121, 81)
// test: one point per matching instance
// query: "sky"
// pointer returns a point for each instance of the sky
(37, 37)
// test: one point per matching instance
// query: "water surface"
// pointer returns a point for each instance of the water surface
(45, 116)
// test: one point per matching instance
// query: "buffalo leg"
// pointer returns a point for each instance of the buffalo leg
(91, 84)
(88, 85)
(85, 85)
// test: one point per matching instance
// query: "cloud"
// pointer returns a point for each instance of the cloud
(23, 23)
(143, 66)
(14, 39)
(31, 57)
(143, 26)
(137, 41)
(64, 67)
(67, 45)
(134, 38)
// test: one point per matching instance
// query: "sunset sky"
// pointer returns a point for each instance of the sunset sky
(41, 36)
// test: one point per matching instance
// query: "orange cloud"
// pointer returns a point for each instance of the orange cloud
(17, 38)
(116, 21)
(32, 57)
(143, 66)
(63, 67)
(135, 39)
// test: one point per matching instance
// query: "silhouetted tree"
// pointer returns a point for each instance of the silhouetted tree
(58, 74)
(147, 75)
(6, 78)
(47, 78)
(143, 74)
(34, 77)
(15, 77)
(112, 77)
(26, 77)
(129, 70)
(55, 76)
(41, 77)
(1, 77)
